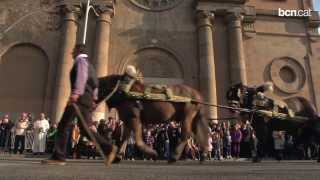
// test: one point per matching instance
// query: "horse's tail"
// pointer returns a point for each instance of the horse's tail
(202, 130)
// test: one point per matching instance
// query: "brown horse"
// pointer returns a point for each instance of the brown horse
(136, 112)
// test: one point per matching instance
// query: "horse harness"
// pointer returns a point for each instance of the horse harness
(163, 92)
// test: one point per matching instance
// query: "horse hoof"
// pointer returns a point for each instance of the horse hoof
(256, 160)
(172, 160)
(154, 155)
(111, 156)
(202, 158)
(117, 159)
(154, 158)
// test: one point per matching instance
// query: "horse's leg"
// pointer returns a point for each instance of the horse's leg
(202, 132)
(186, 133)
(131, 116)
(137, 129)
(122, 150)
(126, 134)
(260, 128)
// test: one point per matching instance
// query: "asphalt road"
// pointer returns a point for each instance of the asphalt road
(23, 169)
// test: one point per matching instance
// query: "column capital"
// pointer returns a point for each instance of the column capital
(70, 12)
(104, 7)
(234, 19)
(67, 6)
(205, 14)
(204, 18)
(234, 16)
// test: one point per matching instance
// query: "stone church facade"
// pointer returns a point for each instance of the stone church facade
(207, 44)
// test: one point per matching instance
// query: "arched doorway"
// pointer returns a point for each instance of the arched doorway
(23, 77)
(157, 66)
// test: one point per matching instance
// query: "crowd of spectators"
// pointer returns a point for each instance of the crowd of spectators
(25, 133)
(226, 140)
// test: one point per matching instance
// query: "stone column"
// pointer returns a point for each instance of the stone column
(206, 61)
(68, 40)
(101, 50)
(236, 60)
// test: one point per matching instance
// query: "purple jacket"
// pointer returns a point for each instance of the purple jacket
(236, 136)
(82, 76)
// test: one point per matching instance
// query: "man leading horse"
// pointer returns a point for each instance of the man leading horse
(81, 103)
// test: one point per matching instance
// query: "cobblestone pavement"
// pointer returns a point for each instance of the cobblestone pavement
(25, 168)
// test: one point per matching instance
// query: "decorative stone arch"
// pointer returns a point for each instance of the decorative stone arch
(287, 74)
(155, 65)
(23, 77)
(296, 103)
(156, 5)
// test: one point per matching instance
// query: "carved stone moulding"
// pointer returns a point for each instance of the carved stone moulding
(287, 74)
(314, 19)
(156, 5)
(296, 103)
(226, 1)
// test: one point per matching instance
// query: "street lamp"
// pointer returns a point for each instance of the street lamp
(88, 7)
(86, 22)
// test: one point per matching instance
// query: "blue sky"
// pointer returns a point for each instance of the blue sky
(317, 4)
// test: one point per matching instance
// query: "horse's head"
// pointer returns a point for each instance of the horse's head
(112, 84)
(243, 96)
(106, 85)
(236, 95)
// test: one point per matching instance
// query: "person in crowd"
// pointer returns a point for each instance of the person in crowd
(118, 132)
(253, 146)
(102, 127)
(167, 143)
(5, 128)
(91, 149)
(279, 141)
(40, 128)
(75, 137)
(191, 150)
(20, 131)
(227, 144)
(131, 147)
(210, 142)
(236, 137)
(51, 136)
(29, 134)
(149, 140)
(220, 132)
(173, 135)
(11, 140)
(246, 131)
(161, 138)
(1, 130)
(288, 147)
(216, 143)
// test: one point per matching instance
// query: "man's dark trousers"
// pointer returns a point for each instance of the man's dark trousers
(84, 103)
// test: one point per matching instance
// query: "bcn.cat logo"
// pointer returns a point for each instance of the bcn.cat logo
(294, 13)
